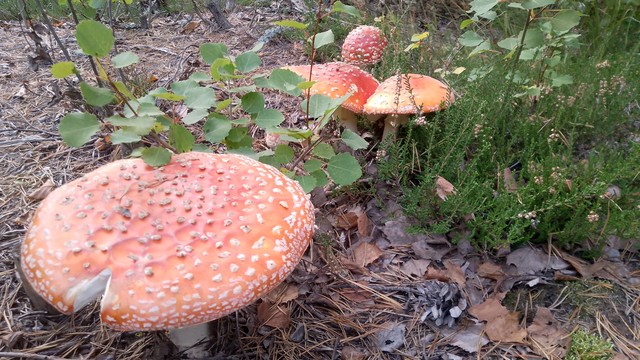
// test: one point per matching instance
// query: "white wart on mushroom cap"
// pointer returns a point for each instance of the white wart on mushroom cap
(364, 45)
(179, 245)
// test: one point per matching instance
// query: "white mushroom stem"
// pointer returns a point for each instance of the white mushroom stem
(347, 118)
(192, 340)
(391, 123)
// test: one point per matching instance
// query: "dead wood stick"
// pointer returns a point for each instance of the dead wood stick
(218, 16)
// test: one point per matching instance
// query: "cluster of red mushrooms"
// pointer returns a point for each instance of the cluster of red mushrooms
(397, 97)
(205, 235)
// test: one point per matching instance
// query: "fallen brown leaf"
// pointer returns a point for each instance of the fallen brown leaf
(351, 353)
(190, 27)
(548, 338)
(470, 339)
(491, 271)
(415, 267)
(42, 192)
(444, 188)
(506, 328)
(365, 253)
(488, 310)
(585, 269)
(452, 273)
(273, 315)
(283, 293)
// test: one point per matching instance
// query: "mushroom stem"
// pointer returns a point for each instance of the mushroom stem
(391, 123)
(347, 119)
(192, 340)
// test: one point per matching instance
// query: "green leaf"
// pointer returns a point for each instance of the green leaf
(222, 69)
(181, 138)
(534, 4)
(242, 89)
(252, 102)
(286, 81)
(63, 69)
(559, 80)
(283, 154)
(419, 37)
(480, 7)
(307, 182)
(305, 85)
(124, 136)
(291, 24)
(211, 52)
(238, 138)
(344, 169)
(465, 23)
(94, 38)
(354, 140)
(247, 62)
(223, 104)
(181, 87)
(294, 135)
(96, 96)
(484, 46)
(194, 116)
(122, 88)
(533, 38)
(322, 39)
(470, 39)
(77, 129)
(509, 43)
(269, 118)
(156, 156)
(200, 98)
(312, 165)
(124, 59)
(318, 105)
(565, 20)
(140, 125)
(323, 151)
(166, 95)
(200, 76)
(338, 6)
(216, 128)
(321, 178)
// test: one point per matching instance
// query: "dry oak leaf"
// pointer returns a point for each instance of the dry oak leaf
(283, 293)
(415, 267)
(548, 338)
(365, 253)
(506, 328)
(444, 188)
(488, 310)
(272, 315)
(452, 273)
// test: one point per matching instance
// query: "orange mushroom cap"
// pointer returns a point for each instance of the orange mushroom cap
(364, 45)
(400, 94)
(336, 79)
(183, 244)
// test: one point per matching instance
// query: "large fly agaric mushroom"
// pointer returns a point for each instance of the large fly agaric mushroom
(337, 79)
(168, 247)
(400, 96)
(364, 45)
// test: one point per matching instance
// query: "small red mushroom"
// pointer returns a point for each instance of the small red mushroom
(402, 95)
(337, 79)
(364, 45)
(168, 247)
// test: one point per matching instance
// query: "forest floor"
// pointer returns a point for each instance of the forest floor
(368, 288)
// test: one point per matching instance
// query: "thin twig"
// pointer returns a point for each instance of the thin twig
(45, 18)
(91, 62)
(17, 355)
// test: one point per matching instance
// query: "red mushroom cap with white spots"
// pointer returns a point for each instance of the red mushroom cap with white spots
(336, 79)
(404, 94)
(175, 246)
(364, 45)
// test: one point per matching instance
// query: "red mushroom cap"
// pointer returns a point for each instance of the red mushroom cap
(400, 94)
(336, 79)
(364, 45)
(179, 245)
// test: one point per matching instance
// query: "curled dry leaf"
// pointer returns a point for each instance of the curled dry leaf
(548, 338)
(351, 353)
(42, 192)
(415, 267)
(452, 273)
(365, 253)
(444, 188)
(272, 315)
(470, 339)
(355, 217)
(491, 271)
